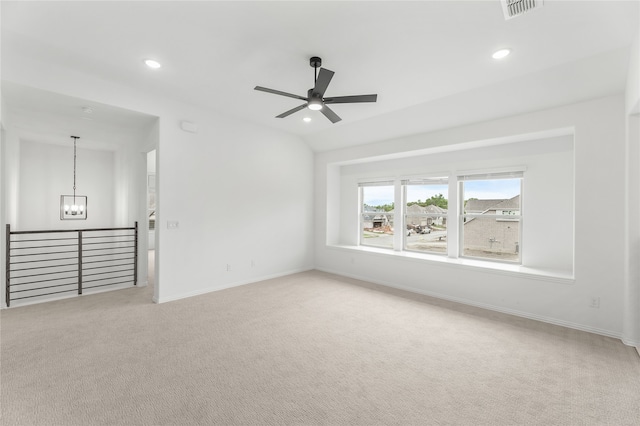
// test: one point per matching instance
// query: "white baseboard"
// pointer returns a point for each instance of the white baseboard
(631, 343)
(503, 310)
(229, 285)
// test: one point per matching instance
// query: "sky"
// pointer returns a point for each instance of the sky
(495, 189)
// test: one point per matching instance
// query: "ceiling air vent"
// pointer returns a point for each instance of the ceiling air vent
(515, 8)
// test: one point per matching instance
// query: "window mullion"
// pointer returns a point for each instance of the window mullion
(453, 218)
(398, 216)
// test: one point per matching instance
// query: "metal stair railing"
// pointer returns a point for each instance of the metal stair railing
(50, 262)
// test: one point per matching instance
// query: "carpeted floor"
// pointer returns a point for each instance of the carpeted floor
(307, 349)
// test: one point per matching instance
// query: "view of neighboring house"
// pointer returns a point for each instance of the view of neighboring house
(426, 216)
(498, 232)
(376, 220)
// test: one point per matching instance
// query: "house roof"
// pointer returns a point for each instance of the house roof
(434, 209)
(431, 209)
(510, 204)
(481, 206)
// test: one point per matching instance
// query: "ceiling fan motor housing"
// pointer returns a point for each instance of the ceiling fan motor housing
(315, 100)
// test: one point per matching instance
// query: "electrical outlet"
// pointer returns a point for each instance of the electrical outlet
(228, 267)
(595, 302)
(172, 224)
(253, 263)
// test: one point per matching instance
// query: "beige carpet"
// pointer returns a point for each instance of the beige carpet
(310, 348)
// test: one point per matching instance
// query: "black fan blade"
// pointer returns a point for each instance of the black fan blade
(328, 112)
(278, 92)
(323, 80)
(291, 111)
(351, 99)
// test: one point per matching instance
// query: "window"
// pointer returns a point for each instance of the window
(377, 214)
(425, 215)
(491, 216)
(490, 219)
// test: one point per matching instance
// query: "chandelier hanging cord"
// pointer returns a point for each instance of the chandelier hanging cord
(75, 139)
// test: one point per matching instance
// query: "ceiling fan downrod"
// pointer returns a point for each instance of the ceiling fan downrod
(316, 63)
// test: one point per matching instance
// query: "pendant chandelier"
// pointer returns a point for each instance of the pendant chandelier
(73, 206)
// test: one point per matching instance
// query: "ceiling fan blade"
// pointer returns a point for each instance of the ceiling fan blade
(328, 112)
(322, 82)
(278, 92)
(291, 111)
(351, 99)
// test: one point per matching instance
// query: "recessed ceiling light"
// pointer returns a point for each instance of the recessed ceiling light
(152, 64)
(306, 119)
(502, 53)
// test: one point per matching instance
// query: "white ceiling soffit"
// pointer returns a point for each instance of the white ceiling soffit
(514, 8)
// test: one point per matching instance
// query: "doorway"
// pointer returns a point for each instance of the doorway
(151, 214)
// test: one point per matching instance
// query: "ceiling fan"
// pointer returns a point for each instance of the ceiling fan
(315, 99)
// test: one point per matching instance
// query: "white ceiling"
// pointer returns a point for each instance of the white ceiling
(46, 117)
(429, 61)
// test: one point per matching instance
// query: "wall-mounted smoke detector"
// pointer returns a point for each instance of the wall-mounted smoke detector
(515, 8)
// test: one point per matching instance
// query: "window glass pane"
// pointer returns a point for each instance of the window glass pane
(426, 217)
(491, 219)
(480, 195)
(377, 216)
(490, 238)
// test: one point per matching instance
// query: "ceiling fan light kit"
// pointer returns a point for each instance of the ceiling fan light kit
(315, 99)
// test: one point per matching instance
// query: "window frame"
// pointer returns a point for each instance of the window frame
(462, 216)
(391, 216)
(440, 180)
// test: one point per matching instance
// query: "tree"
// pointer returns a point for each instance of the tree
(437, 200)
(383, 207)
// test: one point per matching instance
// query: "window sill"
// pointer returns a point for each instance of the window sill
(472, 264)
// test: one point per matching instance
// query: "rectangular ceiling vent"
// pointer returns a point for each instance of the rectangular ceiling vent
(515, 8)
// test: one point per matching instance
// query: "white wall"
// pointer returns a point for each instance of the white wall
(632, 93)
(631, 325)
(46, 173)
(239, 192)
(11, 174)
(599, 146)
